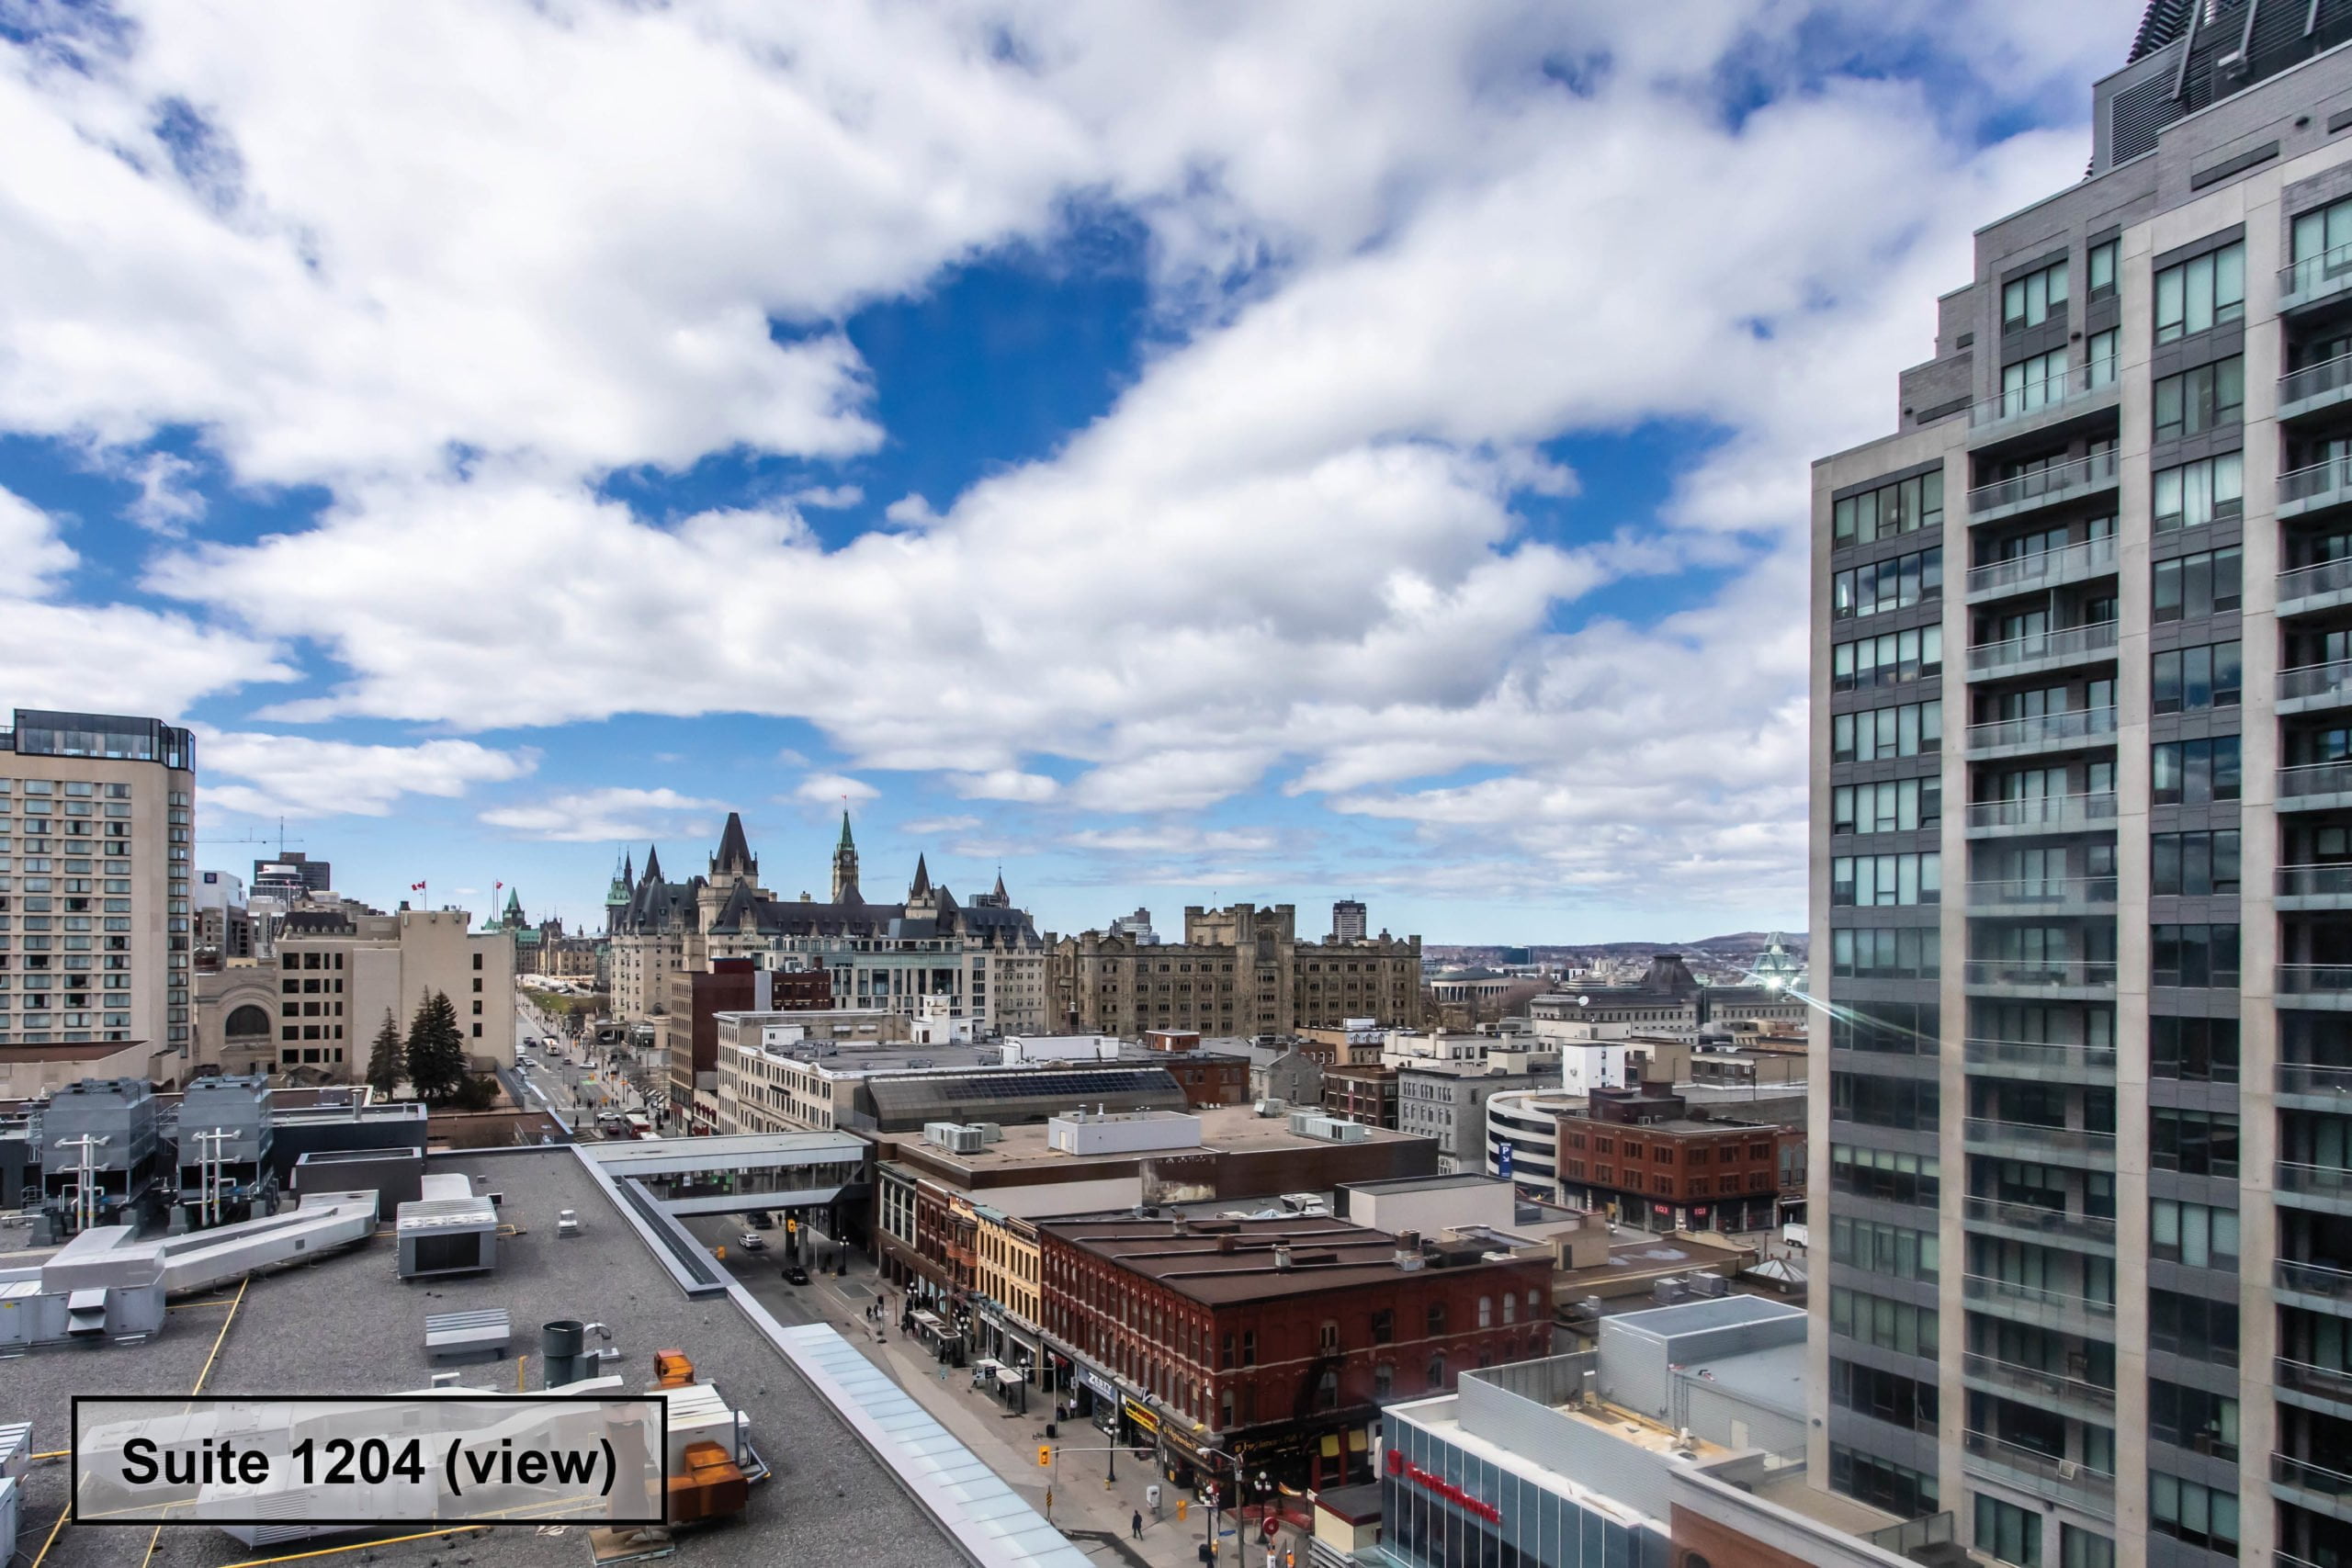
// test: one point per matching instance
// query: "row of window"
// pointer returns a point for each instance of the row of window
(1907, 729)
(1896, 584)
(1885, 1174)
(1891, 658)
(1885, 881)
(1906, 506)
(1899, 805)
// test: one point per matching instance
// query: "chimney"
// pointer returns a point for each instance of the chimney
(1182, 1228)
(1409, 1250)
(1281, 1256)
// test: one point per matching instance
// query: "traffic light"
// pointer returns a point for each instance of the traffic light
(1044, 1456)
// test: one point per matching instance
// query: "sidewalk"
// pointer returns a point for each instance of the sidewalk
(1096, 1516)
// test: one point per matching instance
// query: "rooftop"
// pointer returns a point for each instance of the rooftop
(1235, 1261)
(342, 1322)
(1234, 1129)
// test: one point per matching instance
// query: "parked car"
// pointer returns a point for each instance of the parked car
(751, 1241)
(795, 1275)
(762, 1220)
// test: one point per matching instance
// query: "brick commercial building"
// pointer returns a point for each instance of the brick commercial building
(1365, 1094)
(1643, 1158)
(1245, 1345)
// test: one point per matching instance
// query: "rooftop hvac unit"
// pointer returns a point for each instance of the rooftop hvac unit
(967, 1140)
(991, 1132)
(567, 1223)
(1330, 1129)
(1710, 1285)
(1271, 1107)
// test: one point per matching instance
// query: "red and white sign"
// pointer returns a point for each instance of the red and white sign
(1429, 1481)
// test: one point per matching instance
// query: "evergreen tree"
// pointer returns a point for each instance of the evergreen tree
(436, 1050)
(389, 1059)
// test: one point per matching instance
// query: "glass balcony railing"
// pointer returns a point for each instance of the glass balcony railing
(2035, 1383)
(2042, 730)
(2055, 813)
(2308, 1078)
(2316, 881)
(2315, 980)
(2067, 642)
(2315, 778)
(2306, 1377)
(2056, 1222)
(1986, 1287)
(2317, 683)
(2068, 563)
(2082, 385)
(2062, 1480)
(2042, 1056)
(2310, 582)
(2038, 974)
(2314, 1180)
(2044, 892)
(2315, 381)
(2315, 277)
(2034, 1136)
(2314, 1280)
(2303, 1476)
(2298, 485)
(2074, 477)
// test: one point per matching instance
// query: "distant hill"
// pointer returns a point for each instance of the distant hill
(1740, 943)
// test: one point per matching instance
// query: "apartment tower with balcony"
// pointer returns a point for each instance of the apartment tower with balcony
(2082, 818)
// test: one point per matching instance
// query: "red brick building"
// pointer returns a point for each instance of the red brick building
(1638, 1157)
(1365, 1094)
(1270, 1344)
(698, 996)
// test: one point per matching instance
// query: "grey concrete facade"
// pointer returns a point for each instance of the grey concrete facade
(2081, 1174)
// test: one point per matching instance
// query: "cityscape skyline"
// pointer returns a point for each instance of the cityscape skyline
(1065, 524)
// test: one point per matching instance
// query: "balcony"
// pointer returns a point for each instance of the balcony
(2306, 1087)
(2061, 1480)
(2316, 887)
(2070, 480)
(2039, 651)
(2044, 895)
(2043, 569)
(2330, 1386)
(2075, 1396)
(2042, 732)
(2316, 787)
(2326, 1188)
(2033, 407)
(2321, 586)
(2068, 1064)
(2312, 1486)
(2315, 1285)
(2047, 979)
(2308, 491)
(2041, 813)
(2031, 1222)
(2311, 688)
(2032, 1140)
(2324, 987)
(2315, 280)
(2315, 387)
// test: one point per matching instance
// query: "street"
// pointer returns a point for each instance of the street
(1093, 1511)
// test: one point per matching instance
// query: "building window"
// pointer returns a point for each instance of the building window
(1437, 1317)
(2034, 382)
(2189, 678)
(2192, 494)
(2198, 1514)
(2206, 583)
(1329, 1338)
(2205, 291)
(1903, 507)
(2197, 400)
(1897, 583)
(2102, 261)
(2008, 1533)
(2195, 773)
(2193, 955)
(2029, 300)
(2194, 864)
(1437, 1370)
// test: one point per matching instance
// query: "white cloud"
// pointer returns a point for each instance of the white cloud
(164, 505)
(298, 776)
(116, 657)
(834, 789)
(827, 497)
(1393, 258)
(1173, 839)
(603, 816)
(1004, 784)
(928, 827)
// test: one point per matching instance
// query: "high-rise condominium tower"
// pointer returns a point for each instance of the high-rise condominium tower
(2082, 820)
(97, 823)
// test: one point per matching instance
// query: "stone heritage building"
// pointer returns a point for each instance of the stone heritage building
(1240, 971)
(979, 965)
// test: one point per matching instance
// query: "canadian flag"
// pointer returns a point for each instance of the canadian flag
(416, 886)
(496, 885)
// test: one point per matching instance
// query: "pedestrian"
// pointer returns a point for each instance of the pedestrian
(1270, 1555)
(1135, 1524)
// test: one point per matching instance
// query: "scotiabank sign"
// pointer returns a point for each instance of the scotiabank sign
(1400, 1465)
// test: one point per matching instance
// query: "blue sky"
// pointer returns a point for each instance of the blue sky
(1173, 455)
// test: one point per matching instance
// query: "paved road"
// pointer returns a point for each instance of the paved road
(1096, 1516)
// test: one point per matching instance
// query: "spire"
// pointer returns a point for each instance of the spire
(734, 856)
(846, 844)
(616, 896)
(653, 863)
(1000, 896)
(846, 867)
(514, 900)
(922, 883)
